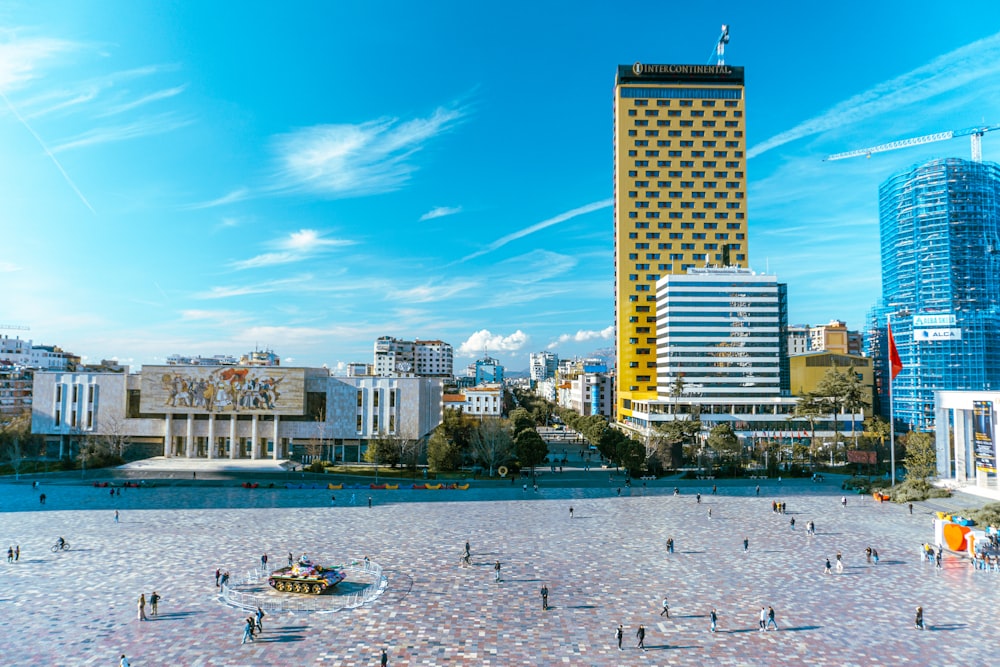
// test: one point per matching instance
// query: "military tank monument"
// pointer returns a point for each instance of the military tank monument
(305, 576)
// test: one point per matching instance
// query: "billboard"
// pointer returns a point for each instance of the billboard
(223, 390)
(924, 335)
(982, 436)
(936, 320)
(861, 456)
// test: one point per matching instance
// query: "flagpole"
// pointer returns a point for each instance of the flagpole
(892, 421)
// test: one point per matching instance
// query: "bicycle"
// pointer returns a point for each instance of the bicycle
(57, 547)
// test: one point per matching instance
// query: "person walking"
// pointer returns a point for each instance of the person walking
(384, 659)
(874, 556)
(123, 662)
(714, 618)
(757, 490)
(116, 516)
(746, 544)
(354, 500)
(290, 559)
(154, 600)
(709, 512)
(571, 512)
(827, 570)
(715, 490)
(369, 501)
(218, 575)
(263, 562)
(248, 630)
(17, 553)
(225, 578)
(911, 509)
(840, 564)
(770, 618)
(545, 597)
(918, 622)
(259, 616)
(670, 545)
(843, 502)
(618, 635)
(937, 558)
(10, 554)
(641, 636)
(762, 620)
(868, 555)
(666, 608)
(142, 607)
(496, 572)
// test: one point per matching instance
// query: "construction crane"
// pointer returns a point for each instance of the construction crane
(720, 47)
(974, 133)
(15, 326)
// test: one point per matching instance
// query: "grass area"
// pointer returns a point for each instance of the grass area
(987, 515)
(914, 490)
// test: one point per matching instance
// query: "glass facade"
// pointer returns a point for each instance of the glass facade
(940, 241)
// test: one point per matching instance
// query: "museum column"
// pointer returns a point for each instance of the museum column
(233, 441)
(167, 424)
(277, 443)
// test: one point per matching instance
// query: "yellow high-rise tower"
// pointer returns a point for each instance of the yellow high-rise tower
(680, 197)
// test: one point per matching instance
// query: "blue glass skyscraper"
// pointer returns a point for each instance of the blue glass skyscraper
(940, 235)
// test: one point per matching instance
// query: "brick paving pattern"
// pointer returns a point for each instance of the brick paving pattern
(606, 565)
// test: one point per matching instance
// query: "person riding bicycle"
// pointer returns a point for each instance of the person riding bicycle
(60, 543)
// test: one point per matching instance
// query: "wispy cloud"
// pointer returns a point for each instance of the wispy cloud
(430, 292)
(231, 197)
(265, 287)
(156, 96)
(149, 126)
(440, 212)
(8, 267)
(957, 69)
(78, 94)
(20, 58)
(538, 226)
(484, 340)
(297, 246)
(582, 336)
(353, 160)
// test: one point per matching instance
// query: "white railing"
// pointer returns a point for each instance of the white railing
(250, 600)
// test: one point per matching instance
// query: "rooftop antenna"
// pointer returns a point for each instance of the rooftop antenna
(720, 47)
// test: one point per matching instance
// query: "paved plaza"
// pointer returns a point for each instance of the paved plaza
(607, 565)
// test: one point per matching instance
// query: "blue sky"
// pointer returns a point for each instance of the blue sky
(206, 178)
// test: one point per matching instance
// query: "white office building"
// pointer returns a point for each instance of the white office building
(417, 358)
(543, 365)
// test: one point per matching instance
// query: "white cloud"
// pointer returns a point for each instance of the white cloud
(266, 287)
(484, 340)
(231, 197)
(430, 292)
(583, 336)
(297, 246)
(21, 58)
(440, 212)
(145, 99)
(538, 226)
(352, 160)
(8, 267)
(141, 128)
(958, 69)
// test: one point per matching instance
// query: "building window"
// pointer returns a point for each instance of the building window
(358, 426)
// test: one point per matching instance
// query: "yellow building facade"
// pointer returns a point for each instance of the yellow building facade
(806, 371)
(679, 193)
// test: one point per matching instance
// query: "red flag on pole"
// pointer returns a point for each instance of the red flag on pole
(895, 363)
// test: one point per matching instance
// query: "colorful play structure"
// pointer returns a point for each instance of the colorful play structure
(958, 534)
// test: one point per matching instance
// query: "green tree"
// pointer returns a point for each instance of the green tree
(442, 453)
(921, 457)
(668, 439)
(723, 439)
(384, 449)
(521, 420)
(531, 448)
(458, 427)
(810, 408)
